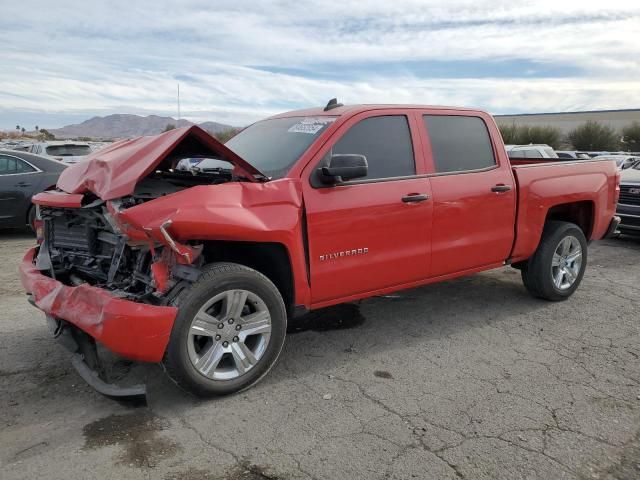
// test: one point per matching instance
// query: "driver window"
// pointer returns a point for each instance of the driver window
(385, 141)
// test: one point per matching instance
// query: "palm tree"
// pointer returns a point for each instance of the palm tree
(37, 129)
(18, 127)
(23, 130)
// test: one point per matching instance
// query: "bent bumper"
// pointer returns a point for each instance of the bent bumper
(133, 330)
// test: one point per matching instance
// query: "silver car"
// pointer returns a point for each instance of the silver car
(65, 151)
(622, 161)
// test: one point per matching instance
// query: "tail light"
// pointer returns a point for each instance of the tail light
(38, 226)
(617, 194)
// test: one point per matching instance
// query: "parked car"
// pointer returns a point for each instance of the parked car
(186, 164)
(65, 151)
(323, 206)
(622, 161)
(629, 203)
(531, 151)
(199, 164)
(22, 175)
(572, 154)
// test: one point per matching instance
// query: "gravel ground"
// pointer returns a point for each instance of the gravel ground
(466, 379)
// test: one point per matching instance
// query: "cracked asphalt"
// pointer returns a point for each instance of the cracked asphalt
(467, 379)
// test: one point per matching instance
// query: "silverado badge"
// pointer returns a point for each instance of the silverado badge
(344, 253)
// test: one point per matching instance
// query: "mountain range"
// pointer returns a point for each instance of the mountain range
(128, 125)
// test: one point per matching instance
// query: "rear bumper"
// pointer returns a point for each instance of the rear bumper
(613, 227)
(133, 330)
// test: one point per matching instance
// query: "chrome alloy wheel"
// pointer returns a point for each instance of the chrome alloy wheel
(566, 263)
(229, 334)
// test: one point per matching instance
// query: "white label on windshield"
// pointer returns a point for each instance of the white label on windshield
(311, 125)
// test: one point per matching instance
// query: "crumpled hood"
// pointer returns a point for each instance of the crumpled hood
(114, 171)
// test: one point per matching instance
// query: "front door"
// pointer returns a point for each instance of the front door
(371, 233)
(15, 186)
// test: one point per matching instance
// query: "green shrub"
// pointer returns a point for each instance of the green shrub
(631, 137)
(226, 135)
(509, 133)
(544, 134)
(514, 134)
(593, 136)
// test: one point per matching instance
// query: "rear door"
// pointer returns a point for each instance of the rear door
(474, 197)
(372, 233)
(16, 185)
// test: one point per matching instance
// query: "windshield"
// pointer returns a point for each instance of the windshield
(68, 150)
(273, 146)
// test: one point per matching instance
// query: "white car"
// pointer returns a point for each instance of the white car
(540, 150)
(572, 155)
(202, 164)
(622, 161)
(65, 151)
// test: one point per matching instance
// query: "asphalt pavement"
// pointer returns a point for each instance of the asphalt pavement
(467, 379)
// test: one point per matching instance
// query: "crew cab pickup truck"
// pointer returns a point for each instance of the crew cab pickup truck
(200, 269)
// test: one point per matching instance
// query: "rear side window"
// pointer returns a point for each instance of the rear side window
(7, 165)
(459, 143)
(68, 150)
(23, 167)
(385, 141)
(527, 153)
(532, 153)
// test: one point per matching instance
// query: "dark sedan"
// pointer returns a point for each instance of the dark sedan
(22, 175)
(629, 203)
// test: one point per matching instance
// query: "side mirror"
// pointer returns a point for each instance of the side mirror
(343, 167)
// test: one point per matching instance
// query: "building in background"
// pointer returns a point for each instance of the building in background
(567, 121)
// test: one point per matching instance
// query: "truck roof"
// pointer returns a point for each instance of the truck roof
(359, 108)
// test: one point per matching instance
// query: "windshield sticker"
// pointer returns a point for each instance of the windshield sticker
(311, 125)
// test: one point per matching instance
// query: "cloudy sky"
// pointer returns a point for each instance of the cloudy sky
(62, 62)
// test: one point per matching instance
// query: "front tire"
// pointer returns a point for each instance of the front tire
(556, 269)
(229, 331)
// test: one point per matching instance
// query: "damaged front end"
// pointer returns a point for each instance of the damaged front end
(94, 265)
(87, 245)
(103, 277)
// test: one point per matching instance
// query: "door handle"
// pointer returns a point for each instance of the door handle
(500, 188)
(22, 184)
(415, 198)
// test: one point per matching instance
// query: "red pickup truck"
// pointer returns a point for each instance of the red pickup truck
(199, 267)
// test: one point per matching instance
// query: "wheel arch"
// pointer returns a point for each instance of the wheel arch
(272, 259)
(582, 213)
(529, 232)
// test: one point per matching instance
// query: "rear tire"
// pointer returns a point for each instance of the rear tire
(556, 268)
(228, 333)
(31, 218)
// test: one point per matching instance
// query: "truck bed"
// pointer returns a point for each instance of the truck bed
(589, 185)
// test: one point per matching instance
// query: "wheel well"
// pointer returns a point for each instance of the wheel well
(580, 213)
(270, 259)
